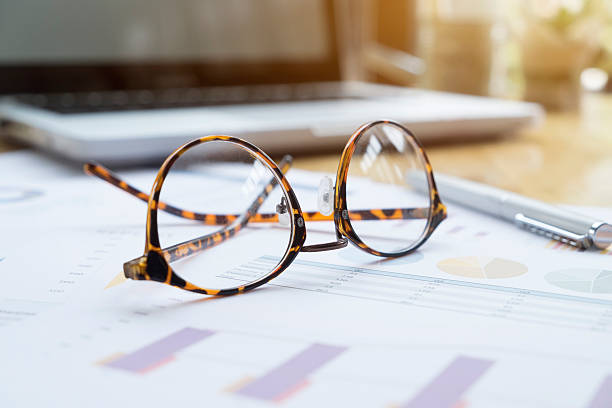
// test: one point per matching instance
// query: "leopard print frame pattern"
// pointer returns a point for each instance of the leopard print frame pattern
(435, 214)
(107, 175)
(154, 265)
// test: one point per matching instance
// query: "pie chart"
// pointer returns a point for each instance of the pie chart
(482, 267)
(587, 280)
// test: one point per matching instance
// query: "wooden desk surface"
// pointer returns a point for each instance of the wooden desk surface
(566, 159)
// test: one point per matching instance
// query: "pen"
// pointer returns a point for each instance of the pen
(566, 226)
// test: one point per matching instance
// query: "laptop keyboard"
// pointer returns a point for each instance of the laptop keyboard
(180, 98)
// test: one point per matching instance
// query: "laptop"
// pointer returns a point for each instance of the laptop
(118, 82)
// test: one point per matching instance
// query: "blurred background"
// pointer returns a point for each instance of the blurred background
(554, 52)
(547, 51)
(557, 53)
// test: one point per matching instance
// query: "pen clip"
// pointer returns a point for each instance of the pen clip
(551, 231)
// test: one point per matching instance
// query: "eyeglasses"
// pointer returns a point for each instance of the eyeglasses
(218, 188)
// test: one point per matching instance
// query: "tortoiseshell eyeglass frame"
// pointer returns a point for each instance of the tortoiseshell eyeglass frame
(154, 265)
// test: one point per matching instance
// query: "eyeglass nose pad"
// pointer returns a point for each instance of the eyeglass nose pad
(282, 209)
(326, 196)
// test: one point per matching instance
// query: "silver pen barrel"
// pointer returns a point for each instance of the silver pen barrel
(557, 223)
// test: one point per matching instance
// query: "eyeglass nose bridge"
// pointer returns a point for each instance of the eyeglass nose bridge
(326, 203)
(327, 246)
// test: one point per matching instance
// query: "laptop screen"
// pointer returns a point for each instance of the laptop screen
(84, 45)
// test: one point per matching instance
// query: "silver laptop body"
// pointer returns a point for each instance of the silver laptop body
(131, 85)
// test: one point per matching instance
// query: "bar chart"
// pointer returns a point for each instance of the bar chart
(289, 377)
(159, 352)
(347, 374)
(446, 389)
(273, 385)
(603, 396)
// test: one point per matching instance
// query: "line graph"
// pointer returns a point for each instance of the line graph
(482, 298)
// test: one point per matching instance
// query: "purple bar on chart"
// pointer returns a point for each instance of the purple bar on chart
(603, 397)
(291, 374)
(456, 229)
(446, 389)
(159, 351)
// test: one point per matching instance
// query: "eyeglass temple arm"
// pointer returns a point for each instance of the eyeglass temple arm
(225, 219)
(208, 241)
(208, 219)
(195, 245)
(187, 248)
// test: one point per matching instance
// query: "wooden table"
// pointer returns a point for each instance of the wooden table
(565, 159)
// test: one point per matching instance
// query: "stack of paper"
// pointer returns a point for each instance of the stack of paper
(483, 315)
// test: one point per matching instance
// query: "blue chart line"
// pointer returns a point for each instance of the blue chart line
(518, 304)
(497, 288)
(9, 194)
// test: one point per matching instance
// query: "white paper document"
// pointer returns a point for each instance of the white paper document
(483, 315)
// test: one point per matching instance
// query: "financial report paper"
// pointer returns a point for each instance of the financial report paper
(482, 315)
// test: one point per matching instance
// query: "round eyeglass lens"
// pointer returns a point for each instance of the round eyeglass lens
(387, 189)
(217, 244)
